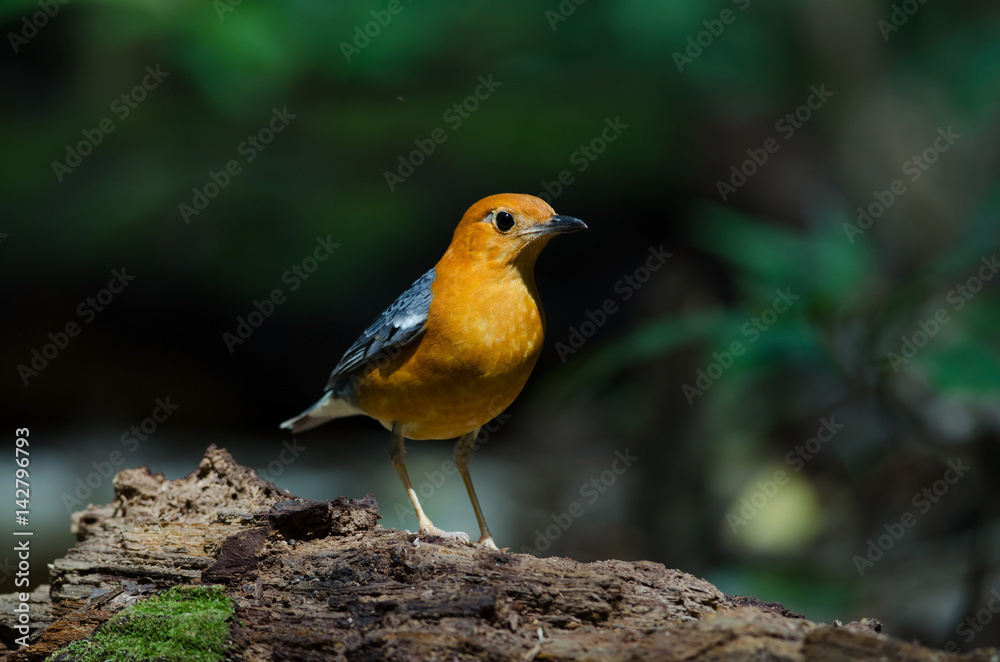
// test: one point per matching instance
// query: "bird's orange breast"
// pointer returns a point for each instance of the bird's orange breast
(484, 333)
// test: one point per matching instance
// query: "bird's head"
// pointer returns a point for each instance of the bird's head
(510, 228)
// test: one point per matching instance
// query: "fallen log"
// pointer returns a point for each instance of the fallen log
(322, 580)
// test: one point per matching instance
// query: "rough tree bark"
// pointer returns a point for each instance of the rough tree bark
(321, 580)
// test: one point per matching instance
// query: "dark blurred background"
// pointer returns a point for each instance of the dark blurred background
(807, 464)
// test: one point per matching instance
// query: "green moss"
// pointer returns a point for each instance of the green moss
(184, 624)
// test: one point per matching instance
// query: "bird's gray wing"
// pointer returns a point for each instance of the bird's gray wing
(401, 323)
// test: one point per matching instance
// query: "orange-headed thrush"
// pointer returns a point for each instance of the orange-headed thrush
(456, 348)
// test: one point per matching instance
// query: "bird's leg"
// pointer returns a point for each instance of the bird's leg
(463, 456)
(397, 452)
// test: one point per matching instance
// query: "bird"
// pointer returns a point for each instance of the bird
(455, 349)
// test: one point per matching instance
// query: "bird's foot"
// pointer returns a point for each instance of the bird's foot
(441, 533)
(487, 542)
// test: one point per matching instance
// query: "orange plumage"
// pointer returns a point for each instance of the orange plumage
(468, 335)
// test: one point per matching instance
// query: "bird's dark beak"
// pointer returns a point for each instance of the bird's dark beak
(559, 224)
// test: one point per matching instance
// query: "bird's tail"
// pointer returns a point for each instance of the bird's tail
(328, 408)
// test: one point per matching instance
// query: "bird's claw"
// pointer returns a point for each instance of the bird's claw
(487, 542)
(441, 533)
(432, 531)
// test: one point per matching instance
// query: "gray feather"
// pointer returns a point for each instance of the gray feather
(399, 325)
(401, 322)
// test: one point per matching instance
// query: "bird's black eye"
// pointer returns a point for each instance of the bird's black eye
(504, 221)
